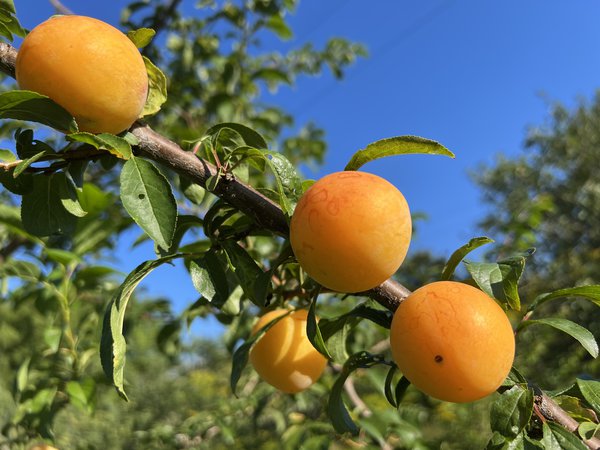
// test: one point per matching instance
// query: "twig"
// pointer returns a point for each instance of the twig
(60, 8)
(361, 407)
(551, 411)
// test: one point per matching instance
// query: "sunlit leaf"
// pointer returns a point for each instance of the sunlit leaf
(313, 331)
(459, 255)
(400, 145)
(254, 281)
(34, 107)
(511, 412)
(555, 436)
(583, 335)
(141, 37)
(147, 196)
(112, 342)
(590, 390)
(157, 89)
(591, 293)
(116, 145)
(42, 209)
(336, 409)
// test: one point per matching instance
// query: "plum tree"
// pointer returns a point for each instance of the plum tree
(452, 341)
(351, 231)
(89, 68)
(283, 356)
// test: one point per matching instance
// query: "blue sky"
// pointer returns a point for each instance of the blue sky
(471, 74)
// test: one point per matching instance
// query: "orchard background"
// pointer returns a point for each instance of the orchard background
(56, 287)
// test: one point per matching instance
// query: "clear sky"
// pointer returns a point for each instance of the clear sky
(471, 74)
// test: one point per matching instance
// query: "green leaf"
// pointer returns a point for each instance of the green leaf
(583, 335)
(116, 145)
(34, 107)
(20, 185)
(157, 89)
(209, 278)
(9, 21)
(141, 37)
(192, 191)
(52, 338)
(401, 388)
(335, 333)
(20, 168)
(336, 410)
(112, 341)
(500, 279)
(241, 354)
(591, 393)
(22, 376)
(63, 257)
(289, 184)
(82, 393)
(557, 437)
(514, 377)
(272, 76)
(277, 24)
(313, 331)
(591, 293)
(251, 137)
(574, 407)
(147, 196)
(42, 400)
(42, 209)
(21, 269)
(93, 199)
(185, 222)
(336, 330)
(254, 281)
(381, 317)
(69, 198)
(400, 145)
(27, 146)
(7, 155)
(390, 395)
(459, 255)
(511, 412)
(587, 430)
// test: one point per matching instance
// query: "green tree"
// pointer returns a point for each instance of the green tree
(549, 198)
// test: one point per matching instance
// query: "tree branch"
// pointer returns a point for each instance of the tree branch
(60, 8)
(268, 215)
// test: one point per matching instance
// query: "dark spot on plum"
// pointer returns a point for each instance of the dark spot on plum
(438, 358)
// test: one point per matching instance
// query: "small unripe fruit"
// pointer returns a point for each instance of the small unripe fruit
(452, 341)
(351, 231)
(89, 68)
(283, 356)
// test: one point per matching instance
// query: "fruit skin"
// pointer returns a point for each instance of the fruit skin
(89, 68)
(452, 341)
(283, 356)
(351, 231)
